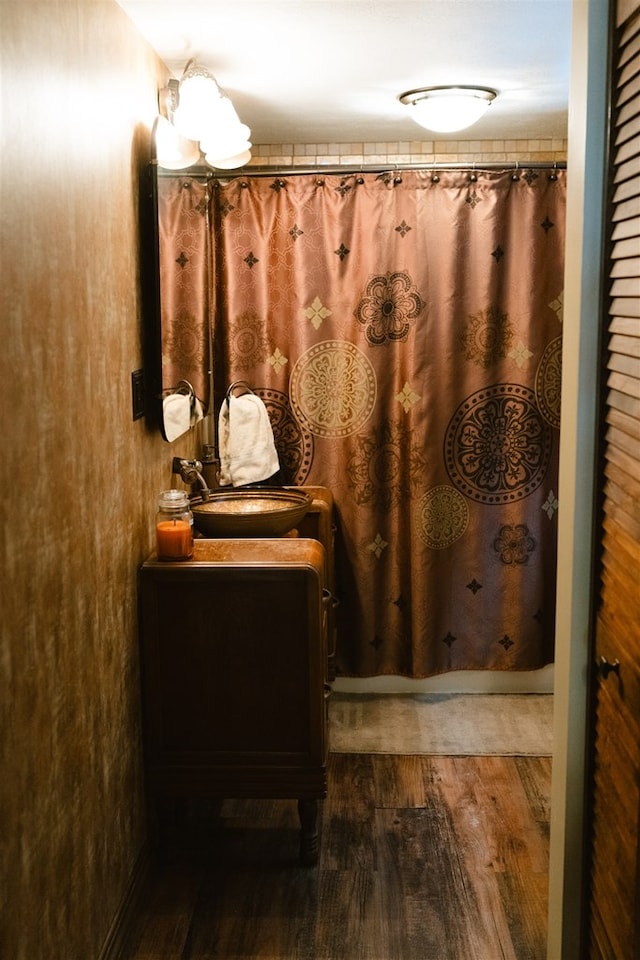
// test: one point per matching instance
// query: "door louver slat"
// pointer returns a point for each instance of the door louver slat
(627, 190)
(626, 307)
(624, 364)
(624, 384)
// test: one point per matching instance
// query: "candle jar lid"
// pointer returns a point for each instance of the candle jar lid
(173, 501)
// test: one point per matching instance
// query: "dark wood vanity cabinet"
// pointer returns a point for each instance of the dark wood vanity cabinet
(234, 674)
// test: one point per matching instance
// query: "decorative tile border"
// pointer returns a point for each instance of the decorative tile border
(407, 152)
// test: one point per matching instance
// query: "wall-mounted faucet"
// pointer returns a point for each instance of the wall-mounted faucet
(190, 471)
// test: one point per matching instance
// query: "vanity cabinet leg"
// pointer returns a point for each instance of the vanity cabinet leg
(308, 813)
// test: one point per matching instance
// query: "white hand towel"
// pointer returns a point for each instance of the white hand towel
(176, 415)
(245, 440)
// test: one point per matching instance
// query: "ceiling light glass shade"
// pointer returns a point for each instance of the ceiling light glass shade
(229, 163)
(446, 109)
(173, 151)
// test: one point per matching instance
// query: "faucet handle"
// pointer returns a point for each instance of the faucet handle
(178, 465)
(191, 472)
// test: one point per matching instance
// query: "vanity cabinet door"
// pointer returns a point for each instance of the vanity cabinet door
(234, 670)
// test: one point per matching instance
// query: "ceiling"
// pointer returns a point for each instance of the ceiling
(331, 71)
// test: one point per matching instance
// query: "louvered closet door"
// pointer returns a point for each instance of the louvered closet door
(614, 917)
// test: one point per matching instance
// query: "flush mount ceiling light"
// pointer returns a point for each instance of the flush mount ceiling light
(445, 109)
(199, 116)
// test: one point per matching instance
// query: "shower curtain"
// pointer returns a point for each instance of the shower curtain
(404, 332)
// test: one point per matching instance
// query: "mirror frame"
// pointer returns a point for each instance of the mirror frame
(150, 288)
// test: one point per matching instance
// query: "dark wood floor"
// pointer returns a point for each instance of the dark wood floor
(422, 858)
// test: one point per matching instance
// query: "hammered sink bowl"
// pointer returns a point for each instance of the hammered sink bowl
(256, 512)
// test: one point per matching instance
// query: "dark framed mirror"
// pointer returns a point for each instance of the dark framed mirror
(175, 277)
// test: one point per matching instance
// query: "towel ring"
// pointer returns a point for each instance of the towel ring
(236, 385)
(183, 387)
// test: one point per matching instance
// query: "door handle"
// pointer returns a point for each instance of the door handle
(606, 668)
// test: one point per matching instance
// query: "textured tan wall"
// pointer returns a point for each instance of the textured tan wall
(78, 477)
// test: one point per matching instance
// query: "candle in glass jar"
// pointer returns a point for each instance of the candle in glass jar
(174, 539)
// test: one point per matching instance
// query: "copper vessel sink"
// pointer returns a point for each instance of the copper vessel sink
(258, 512)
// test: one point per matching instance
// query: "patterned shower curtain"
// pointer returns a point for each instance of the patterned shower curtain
(404, 331)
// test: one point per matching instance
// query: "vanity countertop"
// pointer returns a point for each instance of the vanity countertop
(282, 550)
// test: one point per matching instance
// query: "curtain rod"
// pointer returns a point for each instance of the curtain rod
(258, 171)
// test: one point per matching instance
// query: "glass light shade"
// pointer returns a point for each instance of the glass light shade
(229, 163)
(446, 109)
(222, 125)
(199, 98)
(173, 151)
(227, 142)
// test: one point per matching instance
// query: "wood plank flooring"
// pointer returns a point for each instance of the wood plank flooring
(421, 858)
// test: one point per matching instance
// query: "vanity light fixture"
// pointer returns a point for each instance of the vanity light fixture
(196, 117)
(447, 108)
